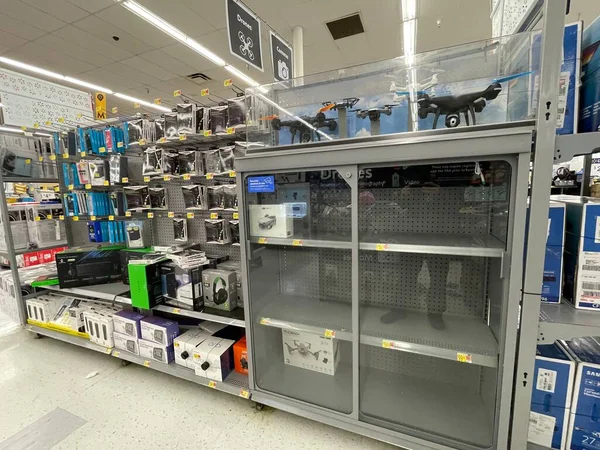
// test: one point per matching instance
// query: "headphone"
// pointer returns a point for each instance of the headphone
(220, 295)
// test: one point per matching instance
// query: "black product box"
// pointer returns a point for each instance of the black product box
(182, 287)
(214, 260)
(86, 266)
(130, 254)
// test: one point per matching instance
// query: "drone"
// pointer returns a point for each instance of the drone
(345, 103)
(452, 106)
(302, 348)
(374, 113)
(405, 91)
(305, 127)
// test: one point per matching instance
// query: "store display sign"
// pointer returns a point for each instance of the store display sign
(243, 30)
(281, 58)
(100, 105)
(261, 184)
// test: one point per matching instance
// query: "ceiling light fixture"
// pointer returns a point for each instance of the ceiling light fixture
(177, 34)
(20, 65)
(142, 102)
(12, 130)
(88, 85)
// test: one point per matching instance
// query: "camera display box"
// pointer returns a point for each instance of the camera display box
(128, 323)
(126, 342)
(159, 330)
(271, 220)
(185, 344)
(310, 351)
(156, 352)
(213, 358)
(86, 266)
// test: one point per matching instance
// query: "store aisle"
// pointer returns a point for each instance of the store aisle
(133, 407)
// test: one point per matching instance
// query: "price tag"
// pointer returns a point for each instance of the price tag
(142, 142)
(120, 145)
(56, 189)
(210, 176)
(79, 115)
(108, 351)
(146, 363)
(212, 384)
(170, 214)
(186, 176)
(228, 82)
(40, 158)
(61, 120)
(115, 109)
(92, 218)
(157, 101)
(38, 218)
(196, 356)
(214, 215)
(190, 215)
(49, 218)
(127, 213)
(230, 130)
(177, 93)
(236, 216)
(28, 161)
(381, 247)
(387, 344)
(232, 174)
(176, 310)
(162, 140)
(204, 92)
(124, 180)
(116, 354)
(47, 123)
(265, 321)
(24, 128)
(150, 215)
(61, 217)
(70, 187)
(297, 243)
(102, 150)
(207, 133)
(136, 105)
(167, 178)
(244, 393)
(88, 186)
(176, 344)
(52, 157)
(464, 358)
(182, 137)
(329, 333)
(146, 179)
(65, 156)
(111, 218)
(36, 125)
(106, 183)
(262, 240)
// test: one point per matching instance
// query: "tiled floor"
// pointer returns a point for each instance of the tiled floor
(137, 408)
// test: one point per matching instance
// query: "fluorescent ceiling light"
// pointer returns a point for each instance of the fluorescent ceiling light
(12, 130)
(142, 102)
(88, 85)
(19, 64)
(409, 9)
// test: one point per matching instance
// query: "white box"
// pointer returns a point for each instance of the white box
(213, 358)
(99, 326)
(43, 309)
(156, 352)
(70, 314)
(185, 344)
(159, 330)
(128, 323)
(126, 342)
(310, 351)
(271, 220)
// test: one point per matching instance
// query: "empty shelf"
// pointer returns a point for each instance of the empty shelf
(563, 321)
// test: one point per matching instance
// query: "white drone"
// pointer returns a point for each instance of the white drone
(401, 92)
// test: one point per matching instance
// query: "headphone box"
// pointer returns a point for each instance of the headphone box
(310, 351)
(235, 267)
(182, 287)
(126, 342)
(128, 323)
(240, 356)
(220, 289)
(83, 266)
(185, 344)
(155, 351)
(159, 330)
(213, 358)
(271, 220)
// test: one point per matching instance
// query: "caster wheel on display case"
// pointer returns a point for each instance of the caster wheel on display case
(124, 363)
(259, 406)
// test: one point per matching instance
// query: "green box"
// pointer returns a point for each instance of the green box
(145, 284)
(130, 254)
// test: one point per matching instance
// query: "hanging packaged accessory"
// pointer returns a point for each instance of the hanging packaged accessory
(190, 162)
(118, 169)
(158, 198)
(215, 197)
(180, 231)
(171, 125)
(218, 119)
(170, 163)
(234, 232)
(152, 161)
(216, 232)
(137, 198)
(194, 197)
(186, 118)
(98, 171)
(236, 109)
(212, 161)
(230, 198)
(227, 158)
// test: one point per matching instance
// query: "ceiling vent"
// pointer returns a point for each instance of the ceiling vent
(199, 75)
(346, 26)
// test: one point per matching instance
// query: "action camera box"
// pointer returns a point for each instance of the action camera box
(85, 266)
(186, 343)
(128, 323)
(310, 351)
(213, 358)
(156, 352)
(126, 342)
(182, 287)
(159, 330)
(240, 356)
(553, 379)
(271, 221)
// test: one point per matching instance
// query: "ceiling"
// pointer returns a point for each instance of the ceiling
(75, 38)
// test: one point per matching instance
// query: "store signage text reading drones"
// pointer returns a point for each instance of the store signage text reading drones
(243, 29)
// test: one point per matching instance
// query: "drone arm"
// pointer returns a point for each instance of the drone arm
(472, 111)
(437, 116)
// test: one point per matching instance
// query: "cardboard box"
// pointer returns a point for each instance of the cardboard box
(553, 379)
(589, 116)
(220, 290)
(130, 254)
(126, 342)
(145, 283)
(159, 330)
(213, 358)
(271, 220)
(182, 287)
(128, 323)
(86, 266)
(156, 352)
(553, 262)
(42, 309)
(99, 325)
(310, 351)
(235, 267)
(240, 356)
(185, 344)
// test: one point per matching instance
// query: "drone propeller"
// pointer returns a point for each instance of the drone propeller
(271, 117)
(327, 107)
(511, 77)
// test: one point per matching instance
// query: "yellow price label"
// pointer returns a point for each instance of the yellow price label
(79, 115)
(56, 189)
(75, 218)
(157, 101)
(49, 218)
(244, 393)
(52, 157)
(182, 137)
(190, 215)
(297, 243)
(106, 183)
(28, 161)
(162, 140)
(124, 180)
(210, 176)
(196, 356)
(24, 128)
(92, 218)
(146, 179)
(61, 217)
(114, 109)
(150, 215)
(176, 344)
(36, 125)
(176, 310)
(381, 247)
(146, 363)
(265, 321)
(228, 82)
(167, 178)
(464, 358)
(177, 93)
(40, 158)
(232, 174)
(61, 120)
(230, 130)
(70, 187)
(262, 240)
(207, 133)
(186, 177)
(111, 218)
(120, 144)
(65, 156)
(212, 384)
(214, 215)
(127, 213)
(204, 92)
(83, 154)
(102, 149)
(142, 142)
(329, 333)
(88, 186)
(38, 218)
(47, 123)
(108, 351)
(136, 105)
(170, 214)
(387, 344)
(116, 354)
(236, 216)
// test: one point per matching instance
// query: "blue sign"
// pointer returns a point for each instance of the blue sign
(261, 184)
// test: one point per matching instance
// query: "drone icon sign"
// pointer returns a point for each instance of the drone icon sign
(243, 29)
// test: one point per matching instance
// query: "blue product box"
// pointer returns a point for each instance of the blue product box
(589, 115)
(584, 423)
(553, 262)
(551, 396)
(582, 252)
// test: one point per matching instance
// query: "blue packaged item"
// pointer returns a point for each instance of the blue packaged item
(553, 262)
(589, 117)
(584, 423)
(553, 378)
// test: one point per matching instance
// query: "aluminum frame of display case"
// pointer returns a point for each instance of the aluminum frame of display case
(510, 141)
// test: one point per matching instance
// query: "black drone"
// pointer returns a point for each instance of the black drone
(305, 127)
(374, 113)
(345, 103)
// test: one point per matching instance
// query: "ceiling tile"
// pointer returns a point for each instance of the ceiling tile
(30, 15)
(182, 16)
(316, 34)
(188, 56)
(214, 15)
(131, 73)
(92, 43)
(354, 49)
(92, 6)
(105, 31)
(50, 59)
(322, 57)
(148, 67)
(108, 78)
(312, 13)
(379, 14)
(61, 9)
(19, 28)
(391, 36)
(127, 22)
(69, 47)
(161, 59)
(9, 41)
